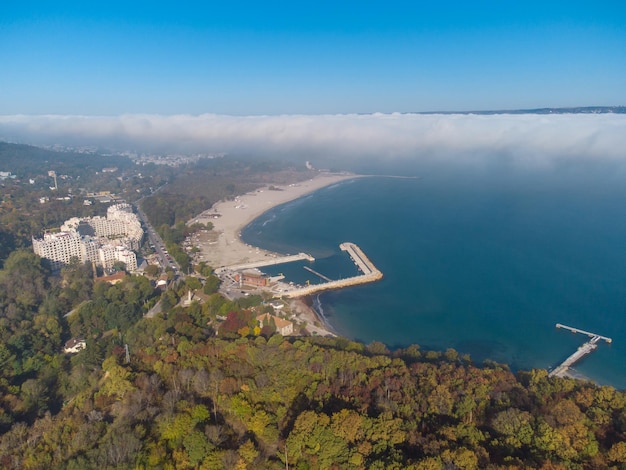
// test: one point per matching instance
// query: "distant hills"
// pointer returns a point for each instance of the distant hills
(573, 110)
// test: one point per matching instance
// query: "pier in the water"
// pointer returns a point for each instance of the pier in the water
(267, 262)
(370, 274)
(581, 352)
(235, 277)
(320, 275)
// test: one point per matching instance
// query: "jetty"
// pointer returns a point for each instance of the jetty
(320, 275)
(267, 262)
(370, 274)
(582, 351)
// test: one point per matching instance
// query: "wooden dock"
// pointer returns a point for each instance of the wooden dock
(582, 351)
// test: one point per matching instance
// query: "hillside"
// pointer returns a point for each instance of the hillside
(190, 399)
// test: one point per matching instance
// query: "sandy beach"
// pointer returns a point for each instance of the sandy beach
(223, 246)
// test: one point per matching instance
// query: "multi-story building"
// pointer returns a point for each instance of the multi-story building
(60, 248)
(97, 239)
(127, 257)
(109, 254)
(120, 223)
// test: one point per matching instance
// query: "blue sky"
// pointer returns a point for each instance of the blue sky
(268, 58)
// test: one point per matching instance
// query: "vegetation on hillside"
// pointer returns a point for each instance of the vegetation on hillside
(190, 399)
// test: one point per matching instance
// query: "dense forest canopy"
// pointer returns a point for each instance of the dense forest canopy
(187, 398)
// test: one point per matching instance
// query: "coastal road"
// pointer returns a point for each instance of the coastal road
(157, 243)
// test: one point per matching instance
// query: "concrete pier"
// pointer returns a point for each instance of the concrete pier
(320, 275)
(576, 330)
(268, 262)
(279, 289)
(582, 351)
(370, 274)
(359, 258)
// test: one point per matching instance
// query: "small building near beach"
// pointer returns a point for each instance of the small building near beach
(284, 327)
(252, 278)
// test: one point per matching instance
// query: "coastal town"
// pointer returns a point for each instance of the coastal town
(118, 238)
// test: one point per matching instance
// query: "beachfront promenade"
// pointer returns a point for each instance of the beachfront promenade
(581, 352)
(370, 274)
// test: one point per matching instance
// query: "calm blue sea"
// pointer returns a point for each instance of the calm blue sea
(485, 261)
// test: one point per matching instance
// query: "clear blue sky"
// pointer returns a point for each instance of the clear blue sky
(237, 57)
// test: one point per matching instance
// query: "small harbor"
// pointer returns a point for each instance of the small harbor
(369, 270)
(237, 276)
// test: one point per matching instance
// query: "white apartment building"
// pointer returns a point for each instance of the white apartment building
(127, 257)
(109, 254)
(60, 248)
(120, 224)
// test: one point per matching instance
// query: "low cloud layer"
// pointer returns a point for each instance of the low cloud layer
(526, 138)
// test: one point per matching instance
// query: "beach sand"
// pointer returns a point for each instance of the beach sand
(222, 246)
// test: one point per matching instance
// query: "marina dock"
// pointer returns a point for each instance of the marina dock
(582, 351)
(320, 275)
(370, 274)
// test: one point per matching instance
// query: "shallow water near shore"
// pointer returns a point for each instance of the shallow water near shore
(485, 263)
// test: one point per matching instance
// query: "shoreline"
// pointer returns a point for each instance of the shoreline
(229, 218)
(223, 246)
(227, 249)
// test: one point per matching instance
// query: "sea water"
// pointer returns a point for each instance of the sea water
(480, 260)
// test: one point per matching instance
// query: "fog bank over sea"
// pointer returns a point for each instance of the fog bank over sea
(340, 140)
(484, 258)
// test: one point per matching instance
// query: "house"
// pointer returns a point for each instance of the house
(162, 282)
(284, 327)
(252, 278)
(74, 345)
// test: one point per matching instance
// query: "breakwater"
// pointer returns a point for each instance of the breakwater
(369, 270)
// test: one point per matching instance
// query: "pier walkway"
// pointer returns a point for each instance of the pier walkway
(576, 330)
(581, 352)
(320, 275)
(268, 262)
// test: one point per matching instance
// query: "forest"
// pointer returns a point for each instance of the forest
(191, 394)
